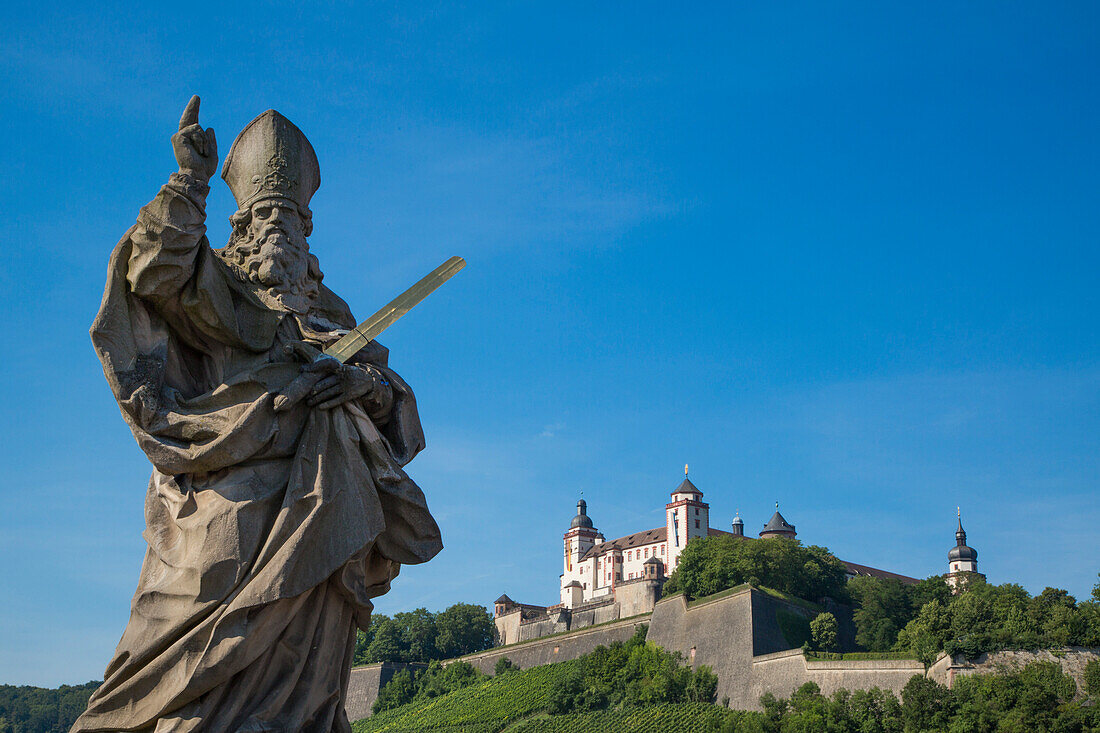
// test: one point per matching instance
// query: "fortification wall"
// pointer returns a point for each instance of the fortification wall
(781, 673)
(543, 627)
(739, 635)
(592, 616)
(365, 682)
(715, 632)
(1072, 660)
(556, 648)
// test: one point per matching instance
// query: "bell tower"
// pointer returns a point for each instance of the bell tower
(578, 539)
(687, 516)
(962, 560)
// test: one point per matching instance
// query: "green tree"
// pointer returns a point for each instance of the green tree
(386, 646)
(884, 606)
(824, 631)
(504, 665)
(400, 690)
(930, 628)
(419, 633)
(364, 638)
(1092, 677)
(463, 628)
(926, 705)
(438, 680)
(712, 564)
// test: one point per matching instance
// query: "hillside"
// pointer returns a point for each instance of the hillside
(515, 703)
(483, 708)
(1038, 697)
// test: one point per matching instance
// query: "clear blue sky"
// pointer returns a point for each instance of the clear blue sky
(844, 258)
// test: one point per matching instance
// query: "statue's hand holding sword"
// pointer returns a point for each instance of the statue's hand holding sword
(325, 379)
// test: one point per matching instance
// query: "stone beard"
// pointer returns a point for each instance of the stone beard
(270, 525)
(275, 258)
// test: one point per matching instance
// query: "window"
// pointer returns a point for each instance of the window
(629, 555)
(696, 512)
(584, 586)
(662, 549)
(696, 524)
(647, 552)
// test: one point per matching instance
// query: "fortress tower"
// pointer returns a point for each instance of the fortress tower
(578, 540)
(686, 516)
(777, 526)
(962, 561)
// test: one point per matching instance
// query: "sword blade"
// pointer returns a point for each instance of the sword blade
(369, 329)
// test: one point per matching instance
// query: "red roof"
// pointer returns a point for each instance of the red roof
(648, 537)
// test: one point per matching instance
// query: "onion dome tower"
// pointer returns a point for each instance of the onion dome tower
(962, 560)
(738, 525)
(581, 520)
(578, 540)
(777, 526)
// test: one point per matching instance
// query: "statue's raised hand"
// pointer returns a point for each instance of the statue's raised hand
(196, 149)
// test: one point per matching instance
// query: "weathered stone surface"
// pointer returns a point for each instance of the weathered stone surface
(269, 529)
(1072, 660)
(366, 682)
(556, 648)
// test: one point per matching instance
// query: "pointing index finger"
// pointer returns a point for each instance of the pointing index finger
(191, 113)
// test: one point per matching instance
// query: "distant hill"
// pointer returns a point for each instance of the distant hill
(26, 709)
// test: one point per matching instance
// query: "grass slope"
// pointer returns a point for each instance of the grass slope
(691, 717)
(483, 708)
(514, 703)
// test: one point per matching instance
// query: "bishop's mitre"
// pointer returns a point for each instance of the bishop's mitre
(271, 158)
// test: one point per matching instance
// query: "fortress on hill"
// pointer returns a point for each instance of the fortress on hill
(603, 581)
(750, 637)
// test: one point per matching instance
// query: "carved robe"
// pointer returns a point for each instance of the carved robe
(267, 532)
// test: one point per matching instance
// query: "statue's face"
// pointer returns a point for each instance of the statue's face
(276, 230)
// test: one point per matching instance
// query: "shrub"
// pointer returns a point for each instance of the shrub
(1092, 677)
(824, 631)
(505, 665)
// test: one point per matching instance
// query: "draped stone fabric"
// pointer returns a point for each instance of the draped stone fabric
(268, 533)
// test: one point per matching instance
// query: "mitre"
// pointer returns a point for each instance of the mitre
(271, 158)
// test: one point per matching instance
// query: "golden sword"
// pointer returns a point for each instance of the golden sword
(350, 343)
(369, 329)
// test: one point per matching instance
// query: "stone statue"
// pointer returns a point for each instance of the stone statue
(269, 528)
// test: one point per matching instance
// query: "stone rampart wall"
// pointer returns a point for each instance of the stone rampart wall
(556, 648)
(781, 673)
(717, 633)
(365, 682)
(1072, 661)
(738, 635)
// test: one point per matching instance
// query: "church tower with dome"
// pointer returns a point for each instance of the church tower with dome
(962, 561)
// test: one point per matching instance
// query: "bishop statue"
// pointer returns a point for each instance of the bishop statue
(270, 522)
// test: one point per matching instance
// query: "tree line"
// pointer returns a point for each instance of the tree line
(423, 636)
(923, 619)
(1038, 697)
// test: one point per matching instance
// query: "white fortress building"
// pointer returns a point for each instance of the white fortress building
(604, 580)
(593, 567)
